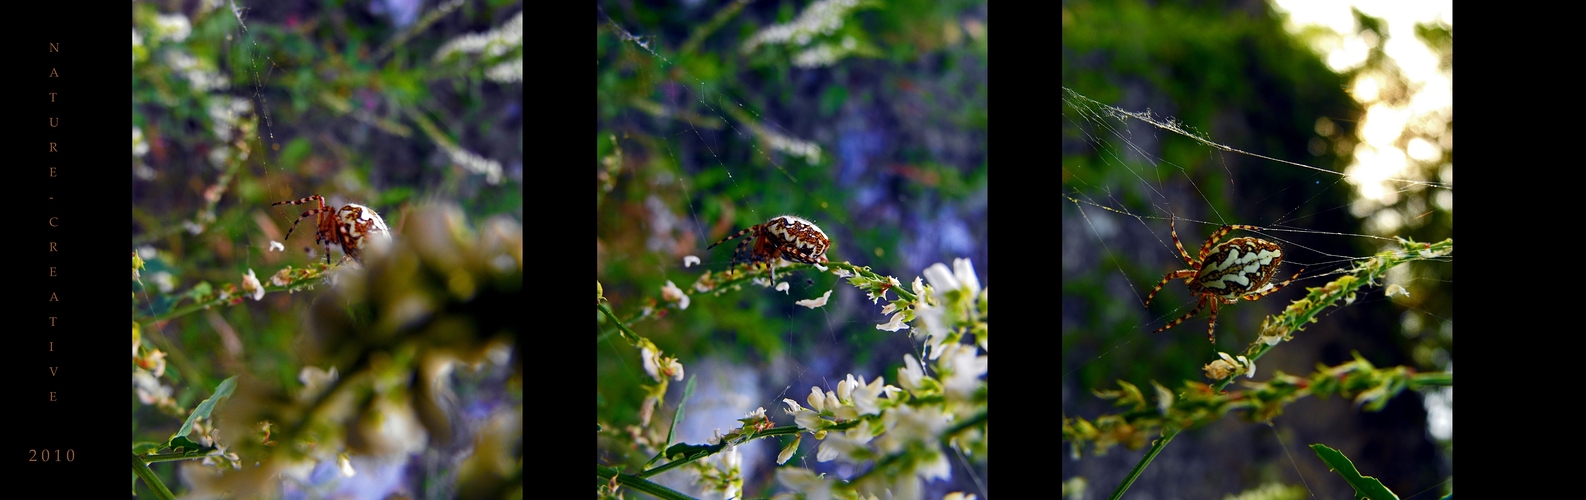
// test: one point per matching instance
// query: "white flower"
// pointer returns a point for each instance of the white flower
(867, 398)
(961, 369)
(140, 146)
(907, 425)
(651, 364)
(809, 421)
(787, 451)
(174, 27)
(935, 467)
(806, 419)
(940, 277)
(1222, 368)
(815, 302)
(671, 293)
(282, 277)
(845, 388)
(478, 164)
(150, 390)
(731, 458)
(817, 399)
(846, 445)
(893, 325)
(965, 272)
(163, 280)
(251, 286)
(930, 324)
(658, 367)
(315, 381)
(1217, 369)
(912, 374)
(346, 465)
(806, 481)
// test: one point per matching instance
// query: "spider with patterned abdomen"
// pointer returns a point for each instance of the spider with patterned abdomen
(785, 237)
(351, 227)
(1235, 269)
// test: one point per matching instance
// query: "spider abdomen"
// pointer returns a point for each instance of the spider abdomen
(784, 237)
(800, 234)
(353, 227)
(358, 225)
(1238, 267)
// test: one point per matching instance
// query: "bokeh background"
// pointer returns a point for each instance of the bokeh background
(411, 108)
(1362, 90)
(874, 126)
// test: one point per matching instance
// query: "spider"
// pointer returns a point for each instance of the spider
(783, 237)
(1235, 269)
(350, 227)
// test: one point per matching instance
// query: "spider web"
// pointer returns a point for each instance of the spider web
(1128, 171)
(720, 146)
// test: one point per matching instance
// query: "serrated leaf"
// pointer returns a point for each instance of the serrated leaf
(204, 408)
(1365, 486)
(689, 450)
(184, 445)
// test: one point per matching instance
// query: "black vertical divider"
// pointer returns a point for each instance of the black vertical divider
(69, 247)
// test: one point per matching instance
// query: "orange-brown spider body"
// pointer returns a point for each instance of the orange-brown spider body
(352, 227)
(784, 237)
(1239, 268)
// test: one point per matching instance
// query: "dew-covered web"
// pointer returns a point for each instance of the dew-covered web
(1121, 194)
(719, 146)
(1128, 172)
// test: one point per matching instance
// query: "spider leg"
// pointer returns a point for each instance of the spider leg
(1218, 236)
(735, 235)
(1181, 252)
(1198, 306)
(738, 253)
(1179, 274)
(796, 252)
(300, 218)
(1274, 288)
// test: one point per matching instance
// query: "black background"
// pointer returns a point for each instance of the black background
(92, 409)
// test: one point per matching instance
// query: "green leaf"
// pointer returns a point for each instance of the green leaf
(184, 445)
(1365, 486)
(203, 409)
(677, 418)
(690, 450)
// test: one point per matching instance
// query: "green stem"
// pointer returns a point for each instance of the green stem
(639, 484)
(628, 335)
(1156, 447)
(141, 469)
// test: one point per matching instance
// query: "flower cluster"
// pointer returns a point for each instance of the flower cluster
(901, 430)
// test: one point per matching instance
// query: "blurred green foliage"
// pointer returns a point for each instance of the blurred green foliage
(232, 112)
(1229, 72)
(690, 148)
(1230, 75)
